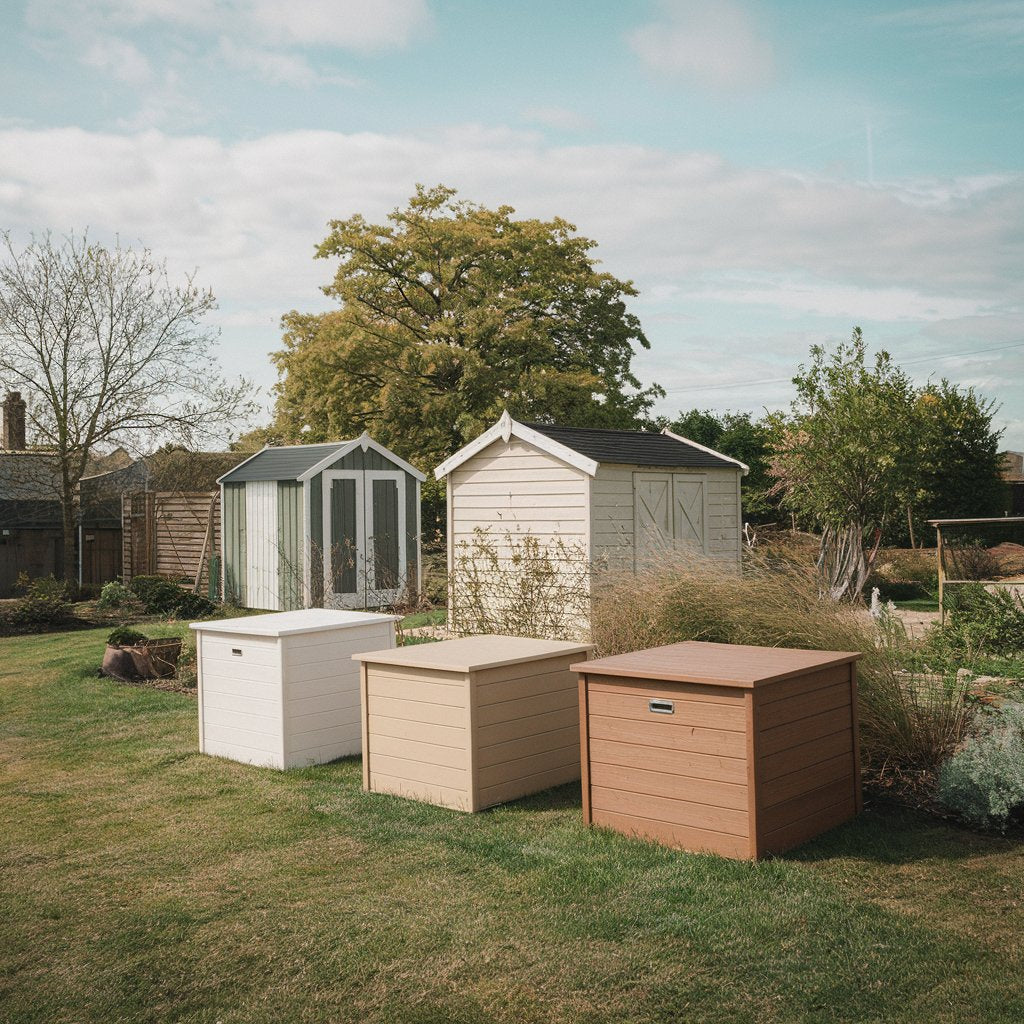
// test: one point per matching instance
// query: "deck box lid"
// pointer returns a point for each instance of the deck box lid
(473, 653)
(716, 664)
(304, 620)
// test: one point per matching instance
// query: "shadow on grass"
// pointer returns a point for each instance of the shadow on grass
(889, 833)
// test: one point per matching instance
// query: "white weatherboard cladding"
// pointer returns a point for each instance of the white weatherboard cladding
(515, 488)
(510, 489)
(282, 690)
(261, 574)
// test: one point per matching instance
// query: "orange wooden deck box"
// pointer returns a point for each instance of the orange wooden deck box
(741, 751)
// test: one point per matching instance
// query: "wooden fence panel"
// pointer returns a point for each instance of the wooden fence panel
(166, 534)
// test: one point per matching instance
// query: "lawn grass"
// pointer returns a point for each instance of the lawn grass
(434, 617)
(144, 882)
(918, 604)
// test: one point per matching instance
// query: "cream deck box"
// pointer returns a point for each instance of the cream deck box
(471, 722)
(282, 690)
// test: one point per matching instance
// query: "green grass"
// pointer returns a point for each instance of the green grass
(918, 604)
(435, 617)
(143, 882)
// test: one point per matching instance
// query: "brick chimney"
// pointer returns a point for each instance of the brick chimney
(13, 438)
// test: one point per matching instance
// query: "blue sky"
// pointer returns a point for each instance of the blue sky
(769, 175)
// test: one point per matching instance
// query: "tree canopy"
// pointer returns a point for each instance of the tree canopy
(449, 313)
(863, 451)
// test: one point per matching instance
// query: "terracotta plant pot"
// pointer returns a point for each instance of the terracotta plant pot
(148, 659)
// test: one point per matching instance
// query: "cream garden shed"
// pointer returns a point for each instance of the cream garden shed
(615, 497)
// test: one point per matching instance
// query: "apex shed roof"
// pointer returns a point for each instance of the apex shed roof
(301, 461)
(633, 447)
(284, 463)
(586, 448)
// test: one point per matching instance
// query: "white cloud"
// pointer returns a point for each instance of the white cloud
(710, 246)
(278, 67)
(713, 45)
(348, 24)
(973, 33)
(559, 118)
(344, 24)
(117, 58)
(262, 38)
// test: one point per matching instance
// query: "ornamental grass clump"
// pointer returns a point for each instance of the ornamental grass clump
(908, 723)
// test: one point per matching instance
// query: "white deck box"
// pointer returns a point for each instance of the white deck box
(282, 690)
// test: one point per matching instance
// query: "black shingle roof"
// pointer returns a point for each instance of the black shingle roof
(632, 447)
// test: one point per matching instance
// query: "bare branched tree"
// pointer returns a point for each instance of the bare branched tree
(107, 352)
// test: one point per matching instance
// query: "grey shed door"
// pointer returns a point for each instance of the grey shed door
(387, 569)
(344, 537)
(668, 511)
(652, 511)
(688, 509)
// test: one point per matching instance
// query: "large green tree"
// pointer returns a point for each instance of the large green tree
(449, 313)
(848, 456)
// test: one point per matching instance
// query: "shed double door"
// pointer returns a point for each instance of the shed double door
(669, 510)
(365, 516)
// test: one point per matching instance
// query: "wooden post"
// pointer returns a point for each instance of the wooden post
(940, 555)
(206, 541)
(150, 506)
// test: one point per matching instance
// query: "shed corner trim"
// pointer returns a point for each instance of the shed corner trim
(704, 448)
(506, 428)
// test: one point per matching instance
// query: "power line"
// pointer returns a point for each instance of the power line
(787, 380)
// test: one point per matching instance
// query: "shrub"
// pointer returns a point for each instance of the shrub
(972, 561)
(908, 723)
(513, 584)
(163, 597)
(984, 782)
(125, 636)
(46, 602)
(158, 596)
(115, 595)
(193, 606)
(979, 621)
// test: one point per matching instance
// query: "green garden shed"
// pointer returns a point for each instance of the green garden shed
(333, 525)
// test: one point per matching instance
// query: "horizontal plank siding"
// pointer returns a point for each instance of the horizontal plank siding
(665, 784)
(753, 753)
(466, 737)
(508, 491)
(674, 810)
(682, 836)
(685, 763)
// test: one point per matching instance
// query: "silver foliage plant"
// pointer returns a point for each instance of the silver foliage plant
(984, 781)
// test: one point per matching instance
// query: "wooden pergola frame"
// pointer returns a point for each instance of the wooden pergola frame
(940, 550)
